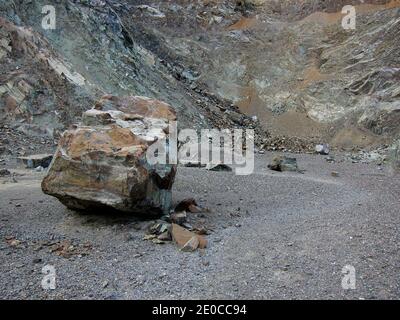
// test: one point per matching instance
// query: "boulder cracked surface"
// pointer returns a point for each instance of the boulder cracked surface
(102, 164)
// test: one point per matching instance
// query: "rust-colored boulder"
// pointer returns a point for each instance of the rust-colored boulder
(102, 162)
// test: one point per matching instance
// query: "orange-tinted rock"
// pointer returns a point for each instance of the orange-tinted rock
(191, 245)
(184, 238)
(102, 163)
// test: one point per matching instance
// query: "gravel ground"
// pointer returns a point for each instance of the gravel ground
(274, 236)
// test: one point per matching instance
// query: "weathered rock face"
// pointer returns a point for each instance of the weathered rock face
(323, 88)
(102, 162)
(40, 93)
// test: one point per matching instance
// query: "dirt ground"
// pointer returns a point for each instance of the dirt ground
(274, 236)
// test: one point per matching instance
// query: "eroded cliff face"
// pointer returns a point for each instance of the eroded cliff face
(95, 45)
(288, 64)
(39, 92)
(291, 63)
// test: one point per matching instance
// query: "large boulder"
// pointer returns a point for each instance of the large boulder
(102, 162)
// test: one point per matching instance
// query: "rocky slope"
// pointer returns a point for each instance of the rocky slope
(39, 95)
(289, 65)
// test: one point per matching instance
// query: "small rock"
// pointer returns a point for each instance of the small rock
(188, 205)
(330, 159)
(182, 237)
(158, 241)
(191, 164)
(218, 167)
(14, 242)
(218, 19)
(159, 228)
(322, 149)
(179, 217)
(154, 12)
(166, 236)
(191, 245)
(202, 231)
(283, 163)
(35, 161)
(39, 169)
(4, 173)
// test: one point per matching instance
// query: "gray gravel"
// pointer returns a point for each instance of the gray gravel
(275, 235)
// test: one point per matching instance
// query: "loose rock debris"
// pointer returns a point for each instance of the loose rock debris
(67, 249)
(187, 240)
(178, 230)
